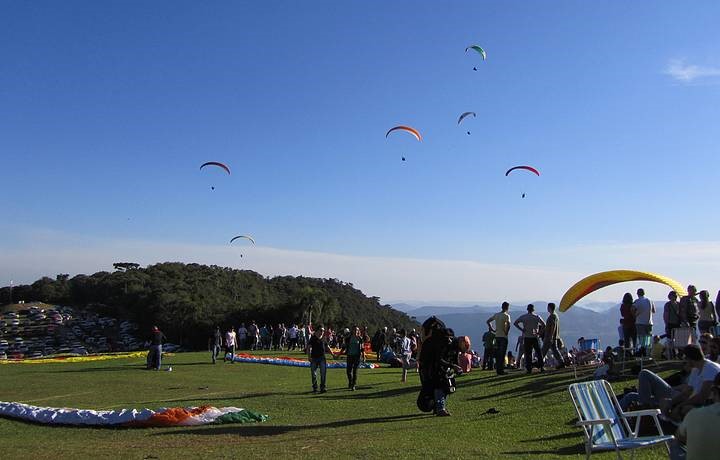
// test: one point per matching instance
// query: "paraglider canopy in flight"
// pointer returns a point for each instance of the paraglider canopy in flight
(600, 280)
(529, 168)
(215, 163)
(465, 115)
(478, 49)
(407, 129)
(243, 236)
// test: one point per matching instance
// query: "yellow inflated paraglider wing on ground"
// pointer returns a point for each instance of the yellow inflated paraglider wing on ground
(600, 280)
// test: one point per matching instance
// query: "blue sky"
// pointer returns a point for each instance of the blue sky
(109, 108)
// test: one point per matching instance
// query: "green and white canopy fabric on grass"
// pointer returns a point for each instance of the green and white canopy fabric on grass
(173, 416)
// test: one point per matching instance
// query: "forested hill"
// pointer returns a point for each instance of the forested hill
(187, 300)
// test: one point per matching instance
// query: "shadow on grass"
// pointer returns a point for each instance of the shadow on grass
(536, 385)
(273, 430)
(347, 394)
(569, 450)
(571, 435)
(104, 369)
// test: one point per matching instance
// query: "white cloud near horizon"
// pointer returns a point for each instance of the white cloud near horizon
(545, 275)
(687, 73)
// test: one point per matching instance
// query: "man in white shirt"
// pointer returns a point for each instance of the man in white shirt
(652, 389)
(644, 310)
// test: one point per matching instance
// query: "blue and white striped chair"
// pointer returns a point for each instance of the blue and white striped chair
(605, 425)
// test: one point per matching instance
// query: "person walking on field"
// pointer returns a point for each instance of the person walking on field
(501, 330)
(216, 341)
(316, 349)
(230, 344)
(353, 348)
(530, 329)
(552, 336)
(405, 353)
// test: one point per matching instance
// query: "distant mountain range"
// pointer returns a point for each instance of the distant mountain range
(593, 320)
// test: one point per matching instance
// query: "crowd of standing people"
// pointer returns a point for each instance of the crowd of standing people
(533, 329)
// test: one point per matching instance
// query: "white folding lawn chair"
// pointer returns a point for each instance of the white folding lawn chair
(605, 425)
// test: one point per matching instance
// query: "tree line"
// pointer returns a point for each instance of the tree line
(188, 300)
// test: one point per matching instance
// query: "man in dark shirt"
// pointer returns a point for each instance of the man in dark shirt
(551, 336)
(216, 341)
(155, 352)
(316, 349)
(689, 308)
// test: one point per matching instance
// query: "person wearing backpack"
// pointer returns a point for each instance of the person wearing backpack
(438, 361)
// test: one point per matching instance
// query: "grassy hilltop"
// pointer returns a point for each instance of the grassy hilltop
(380, 420)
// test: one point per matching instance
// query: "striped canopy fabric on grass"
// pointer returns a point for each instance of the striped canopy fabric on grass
(163, 417)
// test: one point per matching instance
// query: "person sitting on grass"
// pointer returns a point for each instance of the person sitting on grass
(608, 359)
(700, 430)
(652, 389)
(714, 350)
(658, 350)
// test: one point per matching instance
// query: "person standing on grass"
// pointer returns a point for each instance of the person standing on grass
(155, 353)
(292, 337)
(405, 353)
(434, 365)
(353, 348)
(216, 341)
(552, 336)
(644, 311)
(531, 324)
(520, 350)
(627, 312)
(501, 330)
(671, 314)
(689, 309)
(230, 344)
(316, 349)
(242, 334)
(707, 319)
(488, 339)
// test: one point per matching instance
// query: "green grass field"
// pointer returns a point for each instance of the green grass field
(379, 420)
